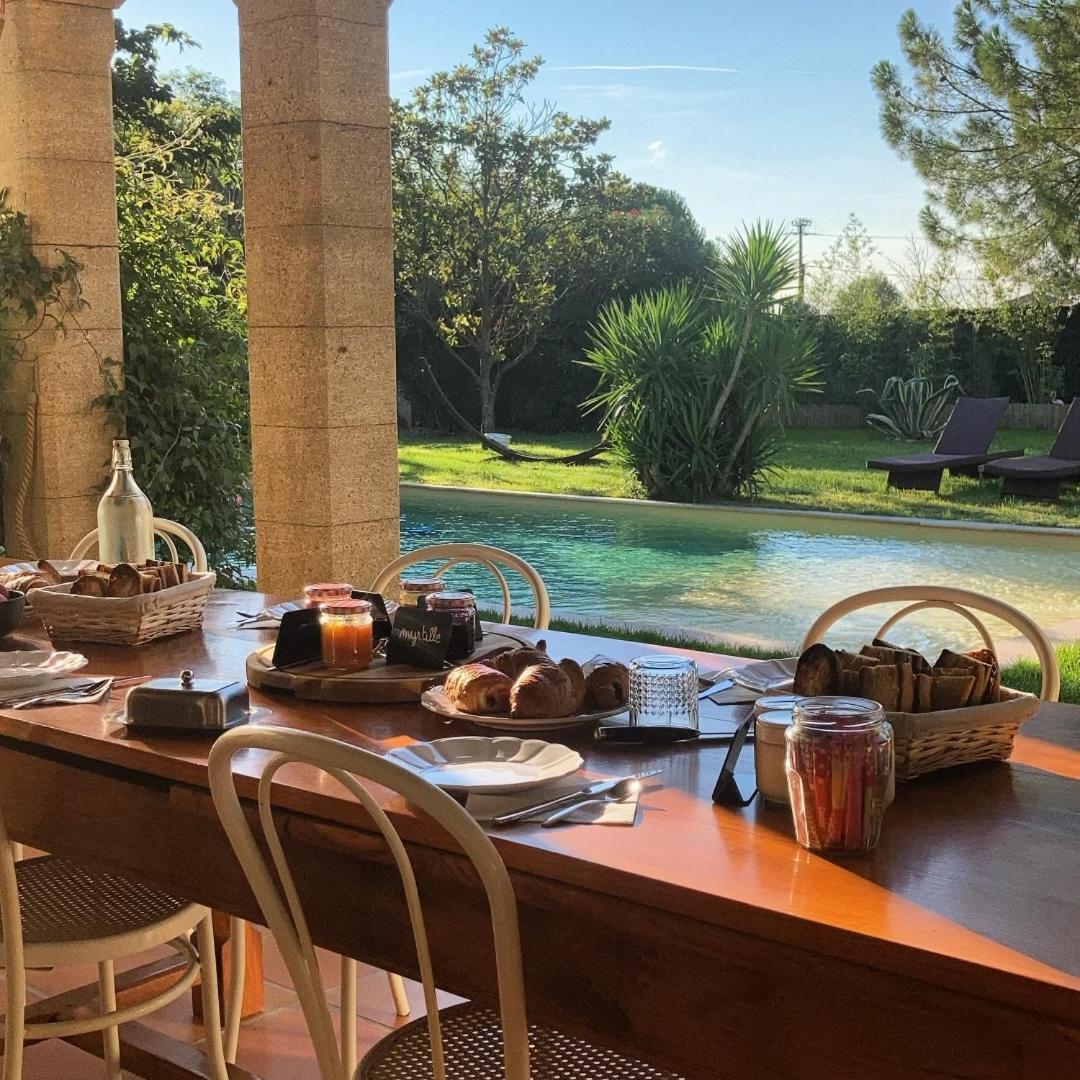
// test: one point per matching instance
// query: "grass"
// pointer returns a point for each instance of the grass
(1020, 675)
(817, 470)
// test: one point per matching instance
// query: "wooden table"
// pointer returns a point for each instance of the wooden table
(704, 939)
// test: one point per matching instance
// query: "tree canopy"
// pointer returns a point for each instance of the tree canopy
(991, 122)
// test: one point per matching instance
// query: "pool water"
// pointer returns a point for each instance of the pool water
(757, 578)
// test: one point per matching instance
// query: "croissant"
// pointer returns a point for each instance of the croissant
(607, 683)
(479, 689)
(542, 692)
(514, 661)
(577, 682)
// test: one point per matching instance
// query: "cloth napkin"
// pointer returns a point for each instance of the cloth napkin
(57, 686)
(594, 812)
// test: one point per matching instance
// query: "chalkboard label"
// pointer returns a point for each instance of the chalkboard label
(299, 640)
(420, 638)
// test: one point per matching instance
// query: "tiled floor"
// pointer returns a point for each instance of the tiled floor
(273, 1045)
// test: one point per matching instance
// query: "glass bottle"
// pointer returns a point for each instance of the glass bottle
(124, 516)
(839, 772)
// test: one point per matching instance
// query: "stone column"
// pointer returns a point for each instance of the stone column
(316, 115)
(56, 159)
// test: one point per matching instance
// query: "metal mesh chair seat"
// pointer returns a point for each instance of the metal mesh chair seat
(64, 903)
(473, 1044)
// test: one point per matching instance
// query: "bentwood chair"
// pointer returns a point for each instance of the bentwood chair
(491, 558)
(56, 913)
(461, 1041)
(962, 602)
(168, 532)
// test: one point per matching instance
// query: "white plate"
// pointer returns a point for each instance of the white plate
(21, 670)
(437, 701)
(67, 568)
(475, 763)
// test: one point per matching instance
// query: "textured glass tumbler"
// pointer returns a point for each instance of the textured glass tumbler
(664, 692)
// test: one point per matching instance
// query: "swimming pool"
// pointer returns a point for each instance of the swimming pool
(753, 577)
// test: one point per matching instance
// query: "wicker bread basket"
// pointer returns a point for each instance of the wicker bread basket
(129, 620)
(925, 742)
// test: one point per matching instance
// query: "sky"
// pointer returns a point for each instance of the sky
(748, 108)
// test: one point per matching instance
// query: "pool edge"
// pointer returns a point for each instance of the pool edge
(739, 508)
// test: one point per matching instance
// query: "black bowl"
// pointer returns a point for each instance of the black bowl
(11, 612)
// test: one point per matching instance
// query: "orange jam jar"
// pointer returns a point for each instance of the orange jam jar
(314, 595)
(347, 634)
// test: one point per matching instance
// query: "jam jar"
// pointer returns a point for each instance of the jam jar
(413, 589)
(462, 606)
(839, 772)
(347, 633)
(314, 595)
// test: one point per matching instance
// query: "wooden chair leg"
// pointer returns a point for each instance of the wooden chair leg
(397, 992)
(107, 1004)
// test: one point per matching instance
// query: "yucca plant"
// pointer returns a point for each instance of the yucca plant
(695, 386)
(912, 409)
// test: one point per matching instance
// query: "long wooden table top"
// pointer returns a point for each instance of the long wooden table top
(975, 885)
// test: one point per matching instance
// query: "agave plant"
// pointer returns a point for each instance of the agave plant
(912, 409)
(695, 387)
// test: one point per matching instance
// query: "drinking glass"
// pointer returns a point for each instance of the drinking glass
(664, 692)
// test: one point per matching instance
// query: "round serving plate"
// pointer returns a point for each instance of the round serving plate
(436, 701)
(472, 763)
(68, 569)
(380, 684)
(23, 670)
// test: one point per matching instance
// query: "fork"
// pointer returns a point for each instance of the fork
(621, 792)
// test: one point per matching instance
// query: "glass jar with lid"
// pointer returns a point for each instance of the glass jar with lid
(412, 589)
(346, 629)
(462, 607)
(839, 772)
(315, 595)
(770, 749)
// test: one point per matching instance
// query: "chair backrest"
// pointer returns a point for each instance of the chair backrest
(1067, 443)
(276, 892)
(961, 601)
(493, 558)
(972, 425)
(14, 969)
(169, 532)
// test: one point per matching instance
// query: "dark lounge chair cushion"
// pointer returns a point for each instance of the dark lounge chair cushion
(1035, 468)
(926, 462)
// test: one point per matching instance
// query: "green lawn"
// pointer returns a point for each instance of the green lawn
(821, 470)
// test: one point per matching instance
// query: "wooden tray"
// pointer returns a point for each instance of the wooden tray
(380, 684)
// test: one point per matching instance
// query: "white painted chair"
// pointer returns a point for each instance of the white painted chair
(459, 1041)
(169, 532)
(961, 601)
(492, 558)
(56, 913)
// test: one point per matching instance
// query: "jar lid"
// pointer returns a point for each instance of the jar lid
(768, 702)
(770, 726)
(347, 607)
(422, 585)
(327, 591)
(838, 714)
(451, 600)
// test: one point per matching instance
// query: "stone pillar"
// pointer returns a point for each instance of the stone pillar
(316, 116)
(56, 159)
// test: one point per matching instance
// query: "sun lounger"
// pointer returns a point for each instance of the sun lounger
(962, 448)
(1042, 477)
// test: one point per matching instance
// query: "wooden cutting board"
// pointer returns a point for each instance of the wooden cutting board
(380, 684)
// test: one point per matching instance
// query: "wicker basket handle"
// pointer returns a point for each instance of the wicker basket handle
(944, 595)
(975, 621)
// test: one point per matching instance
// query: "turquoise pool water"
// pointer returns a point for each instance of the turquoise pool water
(732, 575)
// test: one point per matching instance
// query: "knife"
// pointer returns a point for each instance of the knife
(716, 688)
(600, 787)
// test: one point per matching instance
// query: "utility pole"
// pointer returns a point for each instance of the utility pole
(801, 225)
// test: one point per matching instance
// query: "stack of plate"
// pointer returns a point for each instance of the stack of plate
(21, 671)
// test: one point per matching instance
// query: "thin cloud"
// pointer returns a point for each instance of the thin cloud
(650, 67)
(408, 73)
(657, 150)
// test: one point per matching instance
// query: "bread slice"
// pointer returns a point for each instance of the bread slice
(125, 580)
(924, 693)
(90, 583)
(951, 691)
(817, 672)
(906, 678)
(881, 684)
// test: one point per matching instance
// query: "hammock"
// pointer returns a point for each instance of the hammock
(582, 457)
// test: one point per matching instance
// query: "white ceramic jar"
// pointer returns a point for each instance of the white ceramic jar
(769, 754)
